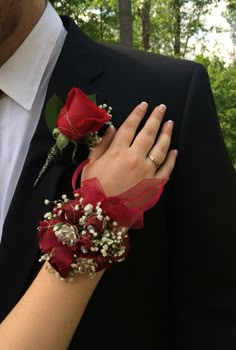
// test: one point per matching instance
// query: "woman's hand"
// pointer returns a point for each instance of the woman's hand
(122, 160)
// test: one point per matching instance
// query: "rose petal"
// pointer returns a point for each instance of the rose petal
(80, 116)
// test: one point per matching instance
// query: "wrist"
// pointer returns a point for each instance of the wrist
(90, 232)
(80, 237)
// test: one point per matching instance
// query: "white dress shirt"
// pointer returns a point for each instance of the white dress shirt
(24, 79)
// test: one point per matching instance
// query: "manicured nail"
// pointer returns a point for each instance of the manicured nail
(170, 124)
(175, 151)
(162, 108)
(143, 106)
(111, 127)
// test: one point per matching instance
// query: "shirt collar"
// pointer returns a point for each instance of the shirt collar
(21, 75)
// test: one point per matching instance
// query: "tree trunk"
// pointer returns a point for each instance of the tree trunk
(144, 13)
(125, 17)
(177, 8)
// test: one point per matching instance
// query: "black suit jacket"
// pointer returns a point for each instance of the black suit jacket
(177, 289)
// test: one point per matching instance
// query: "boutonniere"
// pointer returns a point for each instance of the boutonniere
(79, 120)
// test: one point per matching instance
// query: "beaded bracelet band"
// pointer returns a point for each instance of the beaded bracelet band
(89, 233)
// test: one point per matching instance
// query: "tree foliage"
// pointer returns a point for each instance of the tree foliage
(98, 18)
(164, 26)
(231, 16)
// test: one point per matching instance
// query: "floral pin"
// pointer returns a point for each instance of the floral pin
(79, 119)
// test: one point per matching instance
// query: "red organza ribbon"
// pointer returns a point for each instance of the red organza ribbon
(127, 208)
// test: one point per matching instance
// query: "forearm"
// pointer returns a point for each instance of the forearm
(48, 314)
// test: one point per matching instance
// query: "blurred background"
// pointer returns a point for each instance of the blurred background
(203, 31)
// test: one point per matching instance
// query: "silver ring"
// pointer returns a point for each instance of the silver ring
(155, 162)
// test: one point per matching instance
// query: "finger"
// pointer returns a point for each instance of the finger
(146, 137)
(101, 148)
(167, 167)
(160, 149)
(126, 132)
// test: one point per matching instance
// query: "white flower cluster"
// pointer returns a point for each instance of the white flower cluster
(96, 241)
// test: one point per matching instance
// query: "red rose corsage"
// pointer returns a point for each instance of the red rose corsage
(89, 233)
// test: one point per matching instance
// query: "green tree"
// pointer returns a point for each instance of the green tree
(231, 17)
(164, 26)
(174, 22)
(98, 18)
(70, 8)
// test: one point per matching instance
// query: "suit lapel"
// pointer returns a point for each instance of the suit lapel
(19, 247)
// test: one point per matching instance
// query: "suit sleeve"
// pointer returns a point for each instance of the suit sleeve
(202, 229)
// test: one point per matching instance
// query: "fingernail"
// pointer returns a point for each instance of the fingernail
(162, 107)
(170, 124)
(111, 127)
(143, 106)
(175, 151)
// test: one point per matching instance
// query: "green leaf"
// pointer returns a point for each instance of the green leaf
(52, 111)
(93, 98)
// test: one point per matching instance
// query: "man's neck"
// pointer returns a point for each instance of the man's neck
(31, 15)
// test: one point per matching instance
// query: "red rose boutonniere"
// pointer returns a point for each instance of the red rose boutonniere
(78, 120)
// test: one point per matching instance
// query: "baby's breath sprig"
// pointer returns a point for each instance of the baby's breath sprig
(84, 235)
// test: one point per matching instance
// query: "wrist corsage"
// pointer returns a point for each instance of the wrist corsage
(89, 233)
(79, 120)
